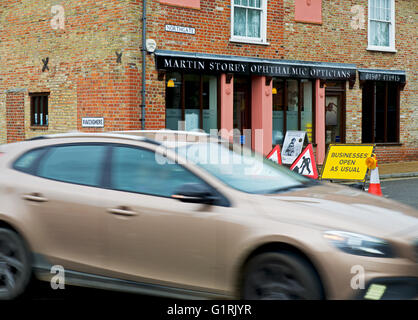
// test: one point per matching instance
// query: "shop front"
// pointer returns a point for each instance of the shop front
(256, 99)
(381, 95)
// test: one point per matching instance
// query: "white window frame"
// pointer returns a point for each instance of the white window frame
(391, 47)
(263, 26)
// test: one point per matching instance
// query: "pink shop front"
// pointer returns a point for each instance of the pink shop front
(260, 99)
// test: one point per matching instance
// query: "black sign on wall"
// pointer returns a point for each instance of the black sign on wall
(382, 75)
(170, 61)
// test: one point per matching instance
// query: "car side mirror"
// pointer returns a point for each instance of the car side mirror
(195, 193)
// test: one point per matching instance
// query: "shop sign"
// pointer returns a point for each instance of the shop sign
(263, 67)
(346, 162)
(382, 75)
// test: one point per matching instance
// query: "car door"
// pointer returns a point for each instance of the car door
(62, 198)
(152, 237)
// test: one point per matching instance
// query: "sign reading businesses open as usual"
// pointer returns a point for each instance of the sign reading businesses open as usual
(346, 162)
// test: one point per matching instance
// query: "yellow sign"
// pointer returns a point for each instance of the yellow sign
(346, 162)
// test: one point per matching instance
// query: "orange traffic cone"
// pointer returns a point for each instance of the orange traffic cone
(374, 184)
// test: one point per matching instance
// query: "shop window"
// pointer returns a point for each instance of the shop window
(249, 21)
(192, 99)
(39, 109)
(380, 112)
(292, 107)
(335, 112)
(381, 25)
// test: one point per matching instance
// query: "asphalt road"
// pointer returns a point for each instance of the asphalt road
(403, 190)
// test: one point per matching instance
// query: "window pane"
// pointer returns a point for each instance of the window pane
(25, 162)
(192, 101)
(210, 103)
(75, 164)
(137, 170)
(173, 100)
(36, 101)
(244, 2)
(306, 113)
(237, 2)
(278, 110)
(292, 105)
(239, 21)
(254, 19)
(379, 33)
(367, 112)
(392, 133)
(380, 112)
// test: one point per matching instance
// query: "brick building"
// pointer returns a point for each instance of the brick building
(344, 71)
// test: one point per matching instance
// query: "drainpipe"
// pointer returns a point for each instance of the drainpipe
(144, 61)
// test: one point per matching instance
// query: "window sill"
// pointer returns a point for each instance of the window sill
(388, 144)
(44, 128)
(249, 41)
(382, 49)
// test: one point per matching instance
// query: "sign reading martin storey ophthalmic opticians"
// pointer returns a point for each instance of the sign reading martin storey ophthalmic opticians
(186, 62)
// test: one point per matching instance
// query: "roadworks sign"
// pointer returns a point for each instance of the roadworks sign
(305, 163)
(346, 162)
(275, 155)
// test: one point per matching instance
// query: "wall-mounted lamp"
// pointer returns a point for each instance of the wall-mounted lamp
(229, 77)
(268, 80)
(170, 83)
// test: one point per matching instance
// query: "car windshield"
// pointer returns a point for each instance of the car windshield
(242, 169)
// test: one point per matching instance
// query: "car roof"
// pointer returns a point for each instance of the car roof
(159, 137)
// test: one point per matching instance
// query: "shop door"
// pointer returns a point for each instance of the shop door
(242, 111)
(334, 118)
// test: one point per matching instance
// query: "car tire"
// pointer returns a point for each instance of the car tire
(280, 276)
(15, 265)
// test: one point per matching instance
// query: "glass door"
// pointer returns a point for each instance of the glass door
(242, 110)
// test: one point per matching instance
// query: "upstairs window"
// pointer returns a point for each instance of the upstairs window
(249, 21)
(39, 109)
(382, 25)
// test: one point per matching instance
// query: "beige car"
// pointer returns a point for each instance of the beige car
(188, 215)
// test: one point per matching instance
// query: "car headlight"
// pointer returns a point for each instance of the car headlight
(359, 244)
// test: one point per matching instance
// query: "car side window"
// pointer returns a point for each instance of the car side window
(79, 164)
(138, 170)
(26, 162)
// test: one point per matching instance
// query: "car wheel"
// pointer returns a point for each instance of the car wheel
(280, 276)
(15, 267)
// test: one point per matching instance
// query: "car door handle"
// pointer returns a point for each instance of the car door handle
(122, 211)
(35, 197)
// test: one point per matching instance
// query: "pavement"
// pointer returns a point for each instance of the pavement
(398, 169)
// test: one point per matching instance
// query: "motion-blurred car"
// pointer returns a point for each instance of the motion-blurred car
(187, 215)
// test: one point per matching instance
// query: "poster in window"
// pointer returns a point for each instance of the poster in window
(292, 146)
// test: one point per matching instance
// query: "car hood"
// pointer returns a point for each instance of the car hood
(336, 207)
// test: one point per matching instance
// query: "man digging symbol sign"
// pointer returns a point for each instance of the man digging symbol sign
(305, 163)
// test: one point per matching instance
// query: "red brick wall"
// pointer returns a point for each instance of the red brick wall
(15, 115)
(114, 96)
